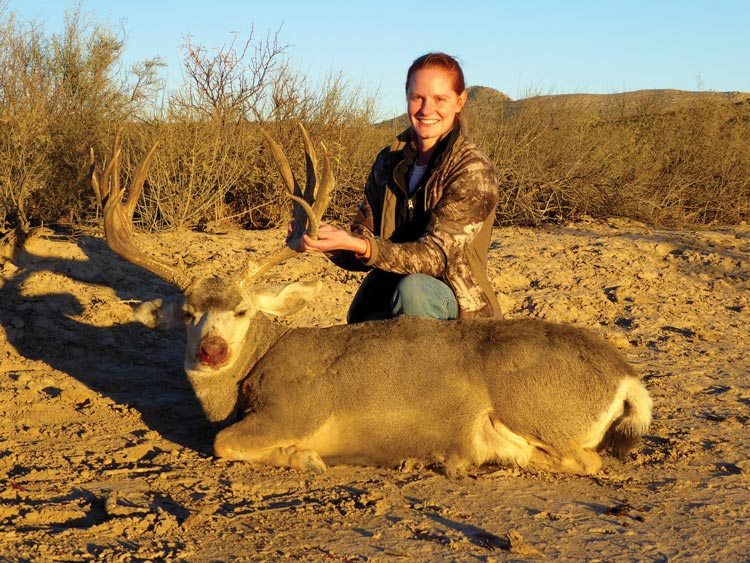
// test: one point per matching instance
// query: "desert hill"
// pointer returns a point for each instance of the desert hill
(489, 102)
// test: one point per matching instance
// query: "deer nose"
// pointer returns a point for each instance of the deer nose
(213, 351)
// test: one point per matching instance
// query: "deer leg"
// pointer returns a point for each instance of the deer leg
(254, 441)
(580, 461)
(283, 456)
(493, 442)
(588, 460)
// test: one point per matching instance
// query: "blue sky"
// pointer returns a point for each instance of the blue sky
(516, 47)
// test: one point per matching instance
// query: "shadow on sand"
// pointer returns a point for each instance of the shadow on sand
(129, 363)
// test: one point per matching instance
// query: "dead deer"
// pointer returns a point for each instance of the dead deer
(517, 392)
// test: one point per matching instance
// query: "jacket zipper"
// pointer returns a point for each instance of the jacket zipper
(410, 207)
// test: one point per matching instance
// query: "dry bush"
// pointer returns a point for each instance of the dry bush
(25, 97)
(212, 165)
(228, 82)
(700, 171)
(643, 156)
(60, 95)
(670, 158)
(194, 168)
(94, 97)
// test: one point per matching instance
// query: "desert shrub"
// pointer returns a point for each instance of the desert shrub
(212, 165)
(700, 171)
(94, 96)
(651, 156)
(665, 157)
(194, 167)
(25, 122)
(60, 95)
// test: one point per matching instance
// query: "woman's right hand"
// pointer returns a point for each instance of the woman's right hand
(329, 238)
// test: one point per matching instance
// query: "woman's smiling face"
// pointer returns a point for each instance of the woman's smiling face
(432, 104)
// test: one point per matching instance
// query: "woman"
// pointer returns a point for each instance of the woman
(425, 222)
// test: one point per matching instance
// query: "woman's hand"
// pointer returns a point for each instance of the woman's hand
(333, 238)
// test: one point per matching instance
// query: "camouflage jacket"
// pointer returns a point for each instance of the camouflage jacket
(453, 212)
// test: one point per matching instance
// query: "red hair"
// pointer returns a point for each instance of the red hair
(441, 61)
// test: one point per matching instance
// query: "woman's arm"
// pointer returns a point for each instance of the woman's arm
(469, 198)
(348, 249)
(332, 238)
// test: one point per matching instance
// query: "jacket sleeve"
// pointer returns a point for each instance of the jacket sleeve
(469, 196)
(363, 224)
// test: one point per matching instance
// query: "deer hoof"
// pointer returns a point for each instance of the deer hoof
(308, 460)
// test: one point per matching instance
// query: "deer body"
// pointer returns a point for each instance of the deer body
(521, 392)
(461, 392)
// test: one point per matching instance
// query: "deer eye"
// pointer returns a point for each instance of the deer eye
(188, 316)
(241, 313)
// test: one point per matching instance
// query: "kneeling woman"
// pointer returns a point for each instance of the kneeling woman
(424, 225)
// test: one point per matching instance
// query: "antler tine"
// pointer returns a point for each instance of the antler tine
(283, 165)
(253, 271)
(311, 165)
(118, 217)
(106, 188)
(102, 187)
(311, 185)
(114, 167)
(293, 190)
(309, 207)
(327, 185)
(319, 188)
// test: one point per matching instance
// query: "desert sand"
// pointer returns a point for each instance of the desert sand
(104, 453)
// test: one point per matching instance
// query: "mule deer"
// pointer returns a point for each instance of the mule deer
(523, 392)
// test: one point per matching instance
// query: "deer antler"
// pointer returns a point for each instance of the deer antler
(309, 205)
(118, 216)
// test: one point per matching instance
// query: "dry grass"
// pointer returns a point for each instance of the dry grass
(643, 155)
(664, 157)
(60, 95)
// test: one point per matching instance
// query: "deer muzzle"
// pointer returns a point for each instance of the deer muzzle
(213, 351)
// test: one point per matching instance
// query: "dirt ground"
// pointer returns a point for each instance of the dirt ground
(104, 453)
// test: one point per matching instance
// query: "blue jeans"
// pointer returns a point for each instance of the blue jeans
(419, 295)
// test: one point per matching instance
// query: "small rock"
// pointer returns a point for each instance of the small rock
(506, 303)
(134, 453)
(52, 515)
(647, 275)
(618, 339)
(116, 505)
(518, 545)
(165, 524)
(7, 512)
(9, 268)
(198, 518)
(511, 281)
(664, 248)
(24, 378)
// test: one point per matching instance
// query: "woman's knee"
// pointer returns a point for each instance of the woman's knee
(419, 295)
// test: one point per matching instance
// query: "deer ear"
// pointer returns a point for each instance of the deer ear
(163, 313)
(289, 300)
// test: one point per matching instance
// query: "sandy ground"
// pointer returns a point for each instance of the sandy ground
(104, 453)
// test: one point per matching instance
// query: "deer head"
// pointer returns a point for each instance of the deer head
(223, 315)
